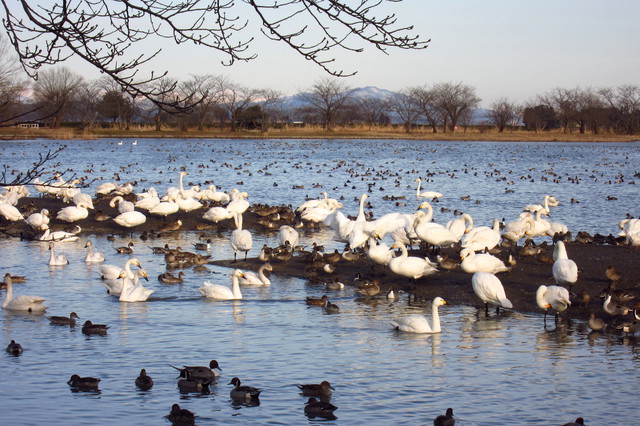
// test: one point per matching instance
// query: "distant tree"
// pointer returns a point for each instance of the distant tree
(11, 86)
(426, 100)
(234, 99)
(206, 89)
(403, 104)
(539, 117)
(503, 113)
(565, 104)
(453, 100)
(55, 91)
(373, 110)
(272, 107)
(624, 102)
(115, 104)
(111, 35)
(85, 105)
(327, 97)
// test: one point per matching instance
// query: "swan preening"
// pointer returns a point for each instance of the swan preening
(22, 302)
(554, 297)
(490, 290)
(419, 323)
(221, 292)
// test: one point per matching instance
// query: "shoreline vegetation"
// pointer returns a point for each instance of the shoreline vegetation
(316, 132)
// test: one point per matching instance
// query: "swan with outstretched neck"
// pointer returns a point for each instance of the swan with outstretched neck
(419, 323)
(22, 302)
(221, 292)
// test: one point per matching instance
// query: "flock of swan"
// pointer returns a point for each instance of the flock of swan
(476, 242)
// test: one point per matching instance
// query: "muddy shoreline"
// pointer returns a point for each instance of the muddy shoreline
(455, 286)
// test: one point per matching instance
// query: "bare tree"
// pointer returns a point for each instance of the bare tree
(427, 102)
(625, 102)
(206, 88)
(55, 90)
(373, 110)
(115, 37)
(454, 99)
(503, 113)
(565, 104)
(235, 98)
(327, 96)
(10, 84)
(403, 104)
(272, 107)
(85, 105)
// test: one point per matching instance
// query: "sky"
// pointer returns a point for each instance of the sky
(503, 48)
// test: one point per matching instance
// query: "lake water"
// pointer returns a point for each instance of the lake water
(505, 370)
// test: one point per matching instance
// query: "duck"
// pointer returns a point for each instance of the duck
(70, 320)
(419, 323)
(172, 226)
(473, 262)
(252, 279)
(143, 381)
(554, 297)
(193, 386)
(410, 266)
(130, 219)
(445, 419)
(180, 416)
(613, 308)
(241, 239)
(128, 249)
(246, 393)
(14, 348)
(490, 290)
(201, 374)
(331, 308)
(23, 302)
(578, 422)
(596, 324)
(312, 301)
(221, 292)
(56, 260)
(315, 408)
(370, 289)
(321, 390)
(612, 273)
(92, 256)
(133, 290)
(169, 278)
(203, 246)
(83, 382)
(90, 328)
(565, 270)
(334, 285)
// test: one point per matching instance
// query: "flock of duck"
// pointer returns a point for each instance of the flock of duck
(362, 237)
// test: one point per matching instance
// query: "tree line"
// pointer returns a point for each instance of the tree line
(61, 97)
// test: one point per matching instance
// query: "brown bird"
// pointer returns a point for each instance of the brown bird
(445, 419)
(317, 302)
(612, 274)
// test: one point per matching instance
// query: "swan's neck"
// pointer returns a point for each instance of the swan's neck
(405, 253)
(361, 217)
(127, 269)
(261, 274)
(238, 219)
(436, 319)
(8, 296)
(418, 190)
(235, 283)
(469, 221)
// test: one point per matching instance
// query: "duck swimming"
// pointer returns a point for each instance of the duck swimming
(91, 328)
(70, 320)
(14, 348)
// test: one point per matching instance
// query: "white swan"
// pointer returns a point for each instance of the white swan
(11, 213)
(22, 302)
(59, 236)
(460, 226)
(515, 230)
(547, 201)
(81, 197)
(133, 290)
(212, 194)
(187, 204)
(241, 239)
(238, 204)
(164, 208)
(221, 292)
(73, 213)
(56, 259)
(426, 194)
(473, 262)
(122, 204)
(111, 272)
(483, 237)
(147, 200)
(565, 270)
(252, 279)
(410, 266)
(419, 323)
(92, 256)
(106, 188)
(490, 290)
(36, 220)
(379, 252)
(130, 219)
(554, 297)
(342, 225)
(432, 233)
(287, 233)
(309, 204)
(216, 214)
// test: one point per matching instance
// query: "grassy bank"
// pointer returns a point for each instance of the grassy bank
(314, 132)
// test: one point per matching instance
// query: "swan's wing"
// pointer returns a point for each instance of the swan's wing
(412, 323)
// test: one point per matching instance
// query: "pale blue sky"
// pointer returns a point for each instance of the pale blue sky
(501, 47)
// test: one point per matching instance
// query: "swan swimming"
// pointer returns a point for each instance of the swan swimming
(419, 323)
(426, 194)
(92, 256)
(54, 259)
(132, 289)
(221, 292)
(58, 236)
(22, 302)
(252, 279)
